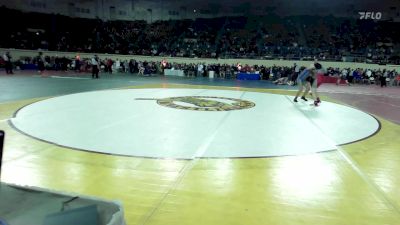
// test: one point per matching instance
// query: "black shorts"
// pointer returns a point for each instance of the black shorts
(41, 66)
(310, 79)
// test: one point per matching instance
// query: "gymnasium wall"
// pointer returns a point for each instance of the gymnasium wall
(118, 9)
(16, 54)
(178, 9)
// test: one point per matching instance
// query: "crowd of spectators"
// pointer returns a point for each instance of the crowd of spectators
(285, 75)
(277, 74)
(299, 37)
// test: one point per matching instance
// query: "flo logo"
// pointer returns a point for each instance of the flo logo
(370, 15)
(203, 103)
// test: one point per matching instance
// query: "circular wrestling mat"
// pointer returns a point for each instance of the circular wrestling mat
(190, 123)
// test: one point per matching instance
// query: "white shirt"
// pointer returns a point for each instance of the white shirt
(94, 62)
(369, 73)
(5, 57)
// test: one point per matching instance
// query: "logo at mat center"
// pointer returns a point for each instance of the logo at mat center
(203, 103)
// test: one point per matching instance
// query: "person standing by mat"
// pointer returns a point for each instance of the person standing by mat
(8, 65)
(95, 67)
(296, 71)
(40, 63)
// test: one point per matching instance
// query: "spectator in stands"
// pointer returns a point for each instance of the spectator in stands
(343, 76)
(396, 80)
(200, 70)
(357, 75)
(118, 65)
(141, 68)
